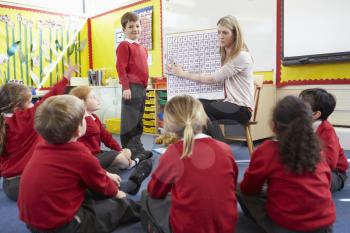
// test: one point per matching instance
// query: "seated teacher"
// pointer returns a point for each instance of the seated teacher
(236, 73)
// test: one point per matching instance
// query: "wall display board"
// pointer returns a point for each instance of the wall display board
(36, 46)
(316, 45)
(146, 23)
(196, 51)
(319, 55)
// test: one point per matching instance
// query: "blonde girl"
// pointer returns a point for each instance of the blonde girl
(198, 171)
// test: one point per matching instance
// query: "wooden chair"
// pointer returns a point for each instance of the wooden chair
(258, 84)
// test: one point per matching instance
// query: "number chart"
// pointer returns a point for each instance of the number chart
(196, 52)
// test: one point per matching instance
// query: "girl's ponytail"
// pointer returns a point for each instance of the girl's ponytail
(184, 116)
(298, 145)
(188, 139)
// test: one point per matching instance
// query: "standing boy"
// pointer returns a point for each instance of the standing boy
(323, 104)
(59, 179)
(133, 75)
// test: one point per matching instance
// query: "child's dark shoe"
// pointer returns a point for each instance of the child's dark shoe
(140, 173)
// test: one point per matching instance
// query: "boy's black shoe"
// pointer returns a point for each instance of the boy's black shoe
(138, 149)
(141, 172)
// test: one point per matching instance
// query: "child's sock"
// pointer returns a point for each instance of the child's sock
(140, 156)
(132, 163)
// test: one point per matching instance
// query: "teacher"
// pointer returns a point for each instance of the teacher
(236, 73)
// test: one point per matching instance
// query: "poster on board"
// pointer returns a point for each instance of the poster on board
(146, 26)
(197, 52)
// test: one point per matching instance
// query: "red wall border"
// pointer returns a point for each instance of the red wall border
(278, 42)
(315, 82)
(91, 64)
(120, 8)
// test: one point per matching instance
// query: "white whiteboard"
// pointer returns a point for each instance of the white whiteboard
(316, 27)
(257, 19)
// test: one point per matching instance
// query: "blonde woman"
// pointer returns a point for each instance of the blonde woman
(199, 171)
(236, 73)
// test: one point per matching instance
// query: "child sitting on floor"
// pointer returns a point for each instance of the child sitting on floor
(56, 183)
(323, 104)
(298, 199)
(17, 135)
(199, 171)
(117, 158)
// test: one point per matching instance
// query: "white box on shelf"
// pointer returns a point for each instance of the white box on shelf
(79, 81)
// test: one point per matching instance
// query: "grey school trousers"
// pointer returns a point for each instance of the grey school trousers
(253, 206)
(155, 214)
(11, 187)
(131, 118)
(102, 216)
(338, 180)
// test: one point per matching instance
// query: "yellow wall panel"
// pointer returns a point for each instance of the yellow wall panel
(268, 76)
(315, 72)
(103, 28)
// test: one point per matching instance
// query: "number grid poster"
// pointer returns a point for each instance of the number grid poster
(197, 52)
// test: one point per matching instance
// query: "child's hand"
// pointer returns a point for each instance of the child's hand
(120, 194)
(70, 70)
(127, 94)
(115, 178)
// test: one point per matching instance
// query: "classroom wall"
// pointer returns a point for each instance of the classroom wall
(257, 19)
(103, 28)
(46, 28)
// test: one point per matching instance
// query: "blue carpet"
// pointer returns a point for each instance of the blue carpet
(10, 223)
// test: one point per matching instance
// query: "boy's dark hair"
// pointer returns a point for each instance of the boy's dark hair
(129, 17)
(298, 144)
(319, 100)
(58, 118)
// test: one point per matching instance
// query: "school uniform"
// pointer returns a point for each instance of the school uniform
(202, 189)
(133, 74)
(334, 153)
(95, 134)
(21, 139)
(53, 191)
(298, 203)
